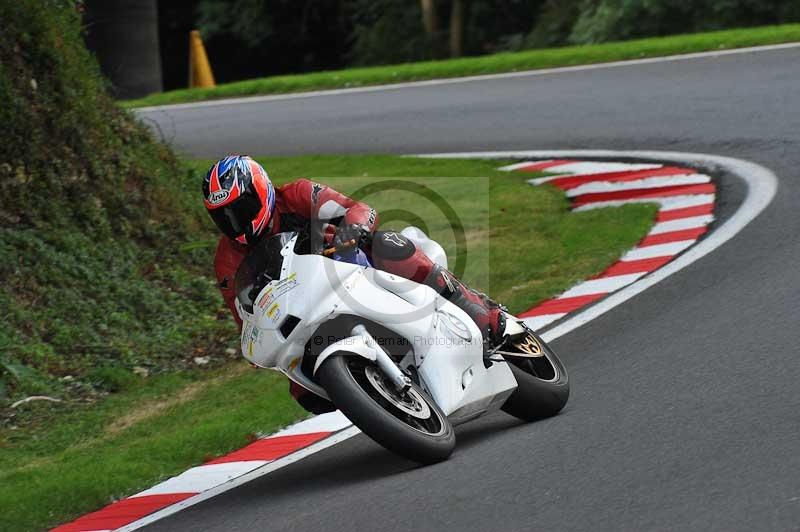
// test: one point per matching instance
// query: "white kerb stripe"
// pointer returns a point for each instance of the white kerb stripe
(590, 167)
(202, 478)
(681, 224)
(660, 250)
(646, 183)
(684, 202)
(542, 180)
(603, 285)
(537, 322)
(668, 203)
(516, 166)
(331, 422)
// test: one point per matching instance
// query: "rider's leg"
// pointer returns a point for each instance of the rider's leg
(394, 253)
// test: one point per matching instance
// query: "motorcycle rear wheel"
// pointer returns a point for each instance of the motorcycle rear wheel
(542, 385)
(410, 424)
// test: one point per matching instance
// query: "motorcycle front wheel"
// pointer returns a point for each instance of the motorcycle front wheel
(542, 384)
(409, 424)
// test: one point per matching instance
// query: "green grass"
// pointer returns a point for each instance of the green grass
(87, 457)
(523, 246)
(503, 62)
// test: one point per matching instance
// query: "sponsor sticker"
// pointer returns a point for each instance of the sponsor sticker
(250, 338)
(247, 342)
(266, 298)
(274, 312)
(215, 198)
(277, 290)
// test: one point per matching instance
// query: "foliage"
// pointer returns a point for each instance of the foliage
(554, 24)
(595, 21)
(388, 31)
(260, 38)
(290, 36)
(92, 213)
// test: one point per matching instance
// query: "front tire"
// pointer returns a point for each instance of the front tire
(411, 425)
(542, 385)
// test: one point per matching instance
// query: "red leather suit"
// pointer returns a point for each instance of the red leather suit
(295, 204)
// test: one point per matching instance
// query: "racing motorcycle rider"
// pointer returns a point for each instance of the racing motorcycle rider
(244, 205)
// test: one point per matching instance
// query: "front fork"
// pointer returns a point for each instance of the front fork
(393, 373)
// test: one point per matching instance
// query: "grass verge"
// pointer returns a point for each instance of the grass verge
(523, 246)
(87, 457)
(491, 64)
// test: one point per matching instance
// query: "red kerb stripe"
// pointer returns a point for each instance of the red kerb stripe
(673, 236)
(635, 266)
(687, 212)
(542, 165)
(557, 306)
(271, 448)
(122, 512)
(645, 193)
(569, 182)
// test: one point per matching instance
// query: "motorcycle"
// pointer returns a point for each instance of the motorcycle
(401, 362)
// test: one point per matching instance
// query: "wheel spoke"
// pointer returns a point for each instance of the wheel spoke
(411, 407)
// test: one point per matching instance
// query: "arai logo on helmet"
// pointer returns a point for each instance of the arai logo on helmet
(215, 198)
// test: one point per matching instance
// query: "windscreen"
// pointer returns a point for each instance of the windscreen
(261, 265)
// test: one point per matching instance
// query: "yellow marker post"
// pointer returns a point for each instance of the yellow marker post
(200, 74)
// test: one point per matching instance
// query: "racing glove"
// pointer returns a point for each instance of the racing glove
(351, 236)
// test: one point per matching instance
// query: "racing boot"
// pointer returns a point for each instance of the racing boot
(490, 317)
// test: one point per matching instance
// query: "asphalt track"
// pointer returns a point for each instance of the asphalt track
(685, 406)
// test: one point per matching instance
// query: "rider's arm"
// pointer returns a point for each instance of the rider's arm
(319, 202)
(226, 262)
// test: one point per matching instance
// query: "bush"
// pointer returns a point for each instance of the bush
(389, 32)
(92, 217)
(595, 21)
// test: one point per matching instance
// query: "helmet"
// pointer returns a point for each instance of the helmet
(239, 197)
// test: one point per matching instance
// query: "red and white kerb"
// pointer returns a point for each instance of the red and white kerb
(686, 205)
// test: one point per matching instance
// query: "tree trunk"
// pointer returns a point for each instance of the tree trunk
(429, 19)
(124, 36)
(456, 28)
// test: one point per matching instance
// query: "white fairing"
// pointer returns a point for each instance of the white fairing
(444, 344)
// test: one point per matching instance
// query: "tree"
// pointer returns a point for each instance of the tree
(430, 20)
(456, 28)
(124, 36)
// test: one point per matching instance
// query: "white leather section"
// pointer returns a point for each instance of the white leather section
(330, 209)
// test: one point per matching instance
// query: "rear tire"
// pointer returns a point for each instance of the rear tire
(412, 426)
(542, 385)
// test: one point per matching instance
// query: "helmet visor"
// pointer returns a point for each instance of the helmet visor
(234, 219)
